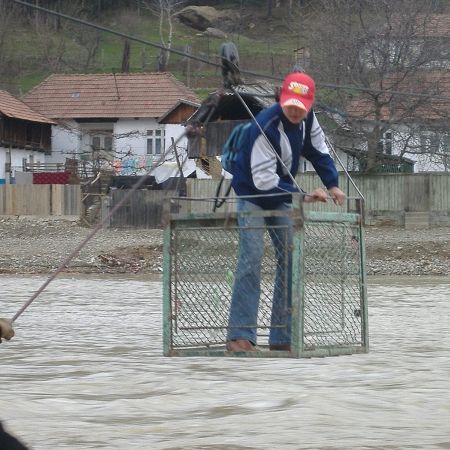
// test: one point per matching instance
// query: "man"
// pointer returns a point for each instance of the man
(6, 329)
(7, 441)
(293, 131)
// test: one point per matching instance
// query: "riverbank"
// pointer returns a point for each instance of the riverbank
(31, 245)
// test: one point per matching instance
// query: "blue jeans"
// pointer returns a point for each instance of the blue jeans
(247, 281)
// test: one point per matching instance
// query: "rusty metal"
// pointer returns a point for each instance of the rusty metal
(329, 300)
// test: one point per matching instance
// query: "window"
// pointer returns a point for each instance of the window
(155, 141)
(429, 142)
(107, 143)
(102, 141)
(385, 144)
(96, 143)
(446, 143)
(388, 143)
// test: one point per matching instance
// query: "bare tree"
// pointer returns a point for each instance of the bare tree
(6, 15)
(383, 48)
(126, 56)
(165, 10)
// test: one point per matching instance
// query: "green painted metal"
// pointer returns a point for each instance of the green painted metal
(167, 310)
(323, 216)
(329, 293)
(297, 280)
(364, 306)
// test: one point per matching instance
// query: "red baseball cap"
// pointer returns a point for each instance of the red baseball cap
(298, 90)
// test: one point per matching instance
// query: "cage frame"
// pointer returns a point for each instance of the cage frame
(180, 220)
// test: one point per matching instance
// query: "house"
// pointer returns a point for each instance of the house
(389, 120)
(112, 120)
(416, 128)
(25, 136)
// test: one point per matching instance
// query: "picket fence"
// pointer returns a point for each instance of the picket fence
(40, 199)
(388, 197)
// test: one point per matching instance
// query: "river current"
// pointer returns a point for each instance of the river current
(86, 371)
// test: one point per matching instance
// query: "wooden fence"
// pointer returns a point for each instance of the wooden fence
(40, 199)
(145, 208)
(388, 198)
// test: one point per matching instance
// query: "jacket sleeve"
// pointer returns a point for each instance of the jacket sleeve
(316, 151)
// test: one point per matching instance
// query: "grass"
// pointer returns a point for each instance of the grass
(36, 49)
(27, 82)
(202, 93)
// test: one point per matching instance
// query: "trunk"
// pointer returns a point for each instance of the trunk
(269, 8)
(374, 140)
(162, 61)
(37, 16)
(372, 149)
(126, 57)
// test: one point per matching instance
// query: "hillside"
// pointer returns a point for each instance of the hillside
(42, 44)
(359, 54)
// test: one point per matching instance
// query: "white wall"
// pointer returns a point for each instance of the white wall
(65, 142)
(17, 157)
(175, 131)
(306, 166)
(131, 145)
(130, 138)
(131, 135)
(425, 162)
(2, 164)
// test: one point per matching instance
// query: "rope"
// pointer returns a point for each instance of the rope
(268, 141)
(245, 72)
(94, 231)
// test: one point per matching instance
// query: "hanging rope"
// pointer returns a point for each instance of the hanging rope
(351, 88)
(5, 324)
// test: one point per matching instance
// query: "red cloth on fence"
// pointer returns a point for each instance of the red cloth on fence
(51, 177)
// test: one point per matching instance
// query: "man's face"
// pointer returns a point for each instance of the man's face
(294, 114)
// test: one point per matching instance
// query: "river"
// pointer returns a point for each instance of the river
(85, 371)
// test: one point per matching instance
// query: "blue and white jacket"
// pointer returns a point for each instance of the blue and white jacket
(257, 169)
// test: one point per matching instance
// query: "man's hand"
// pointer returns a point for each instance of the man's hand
(338, 196)
(317, 195)
(6, 329)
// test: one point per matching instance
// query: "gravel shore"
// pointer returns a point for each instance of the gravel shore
(39, 245)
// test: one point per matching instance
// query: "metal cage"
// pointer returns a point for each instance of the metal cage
(328, 284)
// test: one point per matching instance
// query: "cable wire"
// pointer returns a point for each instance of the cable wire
(94, 231)
(206, 61)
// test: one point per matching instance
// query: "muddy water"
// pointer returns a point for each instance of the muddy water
(85, 371)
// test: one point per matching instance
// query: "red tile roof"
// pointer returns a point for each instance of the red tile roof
(63, 96)
(433, 26)
(426, 25)
(12, 107)
(434, 84)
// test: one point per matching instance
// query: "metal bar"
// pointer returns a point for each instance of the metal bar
(260, 327)
(329, 308)
(363, 292)
(236, 198)
(343, 167)
(167, 308)
(316, 216)
(297, 280)
(265, 353)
